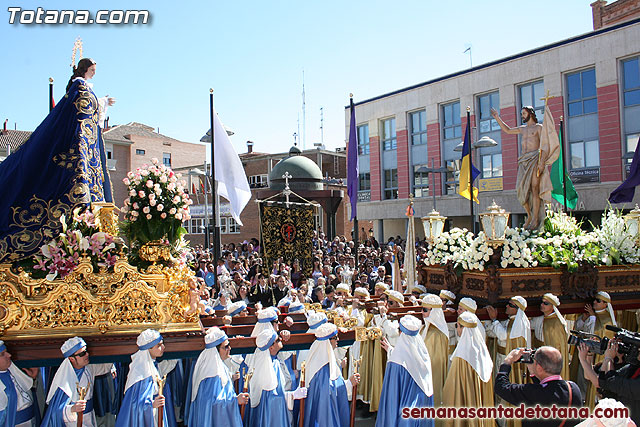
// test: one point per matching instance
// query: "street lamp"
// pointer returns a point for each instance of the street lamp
(483, 142)
(632, 221)
(494, 224)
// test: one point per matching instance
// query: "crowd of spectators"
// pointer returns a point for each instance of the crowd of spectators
(243, 276)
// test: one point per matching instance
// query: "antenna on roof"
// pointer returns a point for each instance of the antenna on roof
(304, 116)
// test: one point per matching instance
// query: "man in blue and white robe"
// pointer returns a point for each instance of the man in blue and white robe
(75, 371)
(17, 406)
(407, 379)
(213, 400)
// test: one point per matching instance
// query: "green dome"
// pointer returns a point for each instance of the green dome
(305, 174)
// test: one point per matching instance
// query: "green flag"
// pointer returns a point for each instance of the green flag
(556, 180)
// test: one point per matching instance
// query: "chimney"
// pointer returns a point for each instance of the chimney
(4, 129)
(249, 146)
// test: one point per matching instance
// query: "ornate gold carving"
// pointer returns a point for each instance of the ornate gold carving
(108, 218)
(368, 334)
(86, 302)
(155, 251)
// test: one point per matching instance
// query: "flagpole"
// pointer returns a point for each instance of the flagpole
(564, 169)
(214, 190)
(50, 94)
(473, 222)
(355, 218)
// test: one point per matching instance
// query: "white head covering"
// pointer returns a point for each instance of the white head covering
(472, 347)
(521, 326)
(396, 296)
(322, 353)
(468, 304)
(344, 288)
(411, 353)
(314, 320)
(555, 303)
(420, 288)
(382, 285)
(264, 375)
(436, 317)
(296, 307)
(209, 363)
(449, 296)
(607, 422)
(142, 365)
(66, 378)
(265, 317)
(362, 291)
(604, 296)
(236, 308)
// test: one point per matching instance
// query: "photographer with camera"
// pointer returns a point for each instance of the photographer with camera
(622, 383)
(544, 365)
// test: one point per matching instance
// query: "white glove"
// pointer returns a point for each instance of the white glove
(300, 393)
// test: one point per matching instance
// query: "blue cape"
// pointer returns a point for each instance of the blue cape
(272, 410)
(215, 405)
(327, 404)
(137, 406)
(12, 399)
(60, 167)
(399, 390)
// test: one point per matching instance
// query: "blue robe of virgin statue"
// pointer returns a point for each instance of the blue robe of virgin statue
(327, 404)
(272, 410)
(61, 166)
(400, 390)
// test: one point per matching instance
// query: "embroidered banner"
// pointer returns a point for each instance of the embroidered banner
(287, 233)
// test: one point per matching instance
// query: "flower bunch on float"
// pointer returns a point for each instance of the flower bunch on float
(450, 246)
(80, 238)
(616, 240)
(156, 205)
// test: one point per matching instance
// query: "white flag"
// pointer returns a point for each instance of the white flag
(232, 181)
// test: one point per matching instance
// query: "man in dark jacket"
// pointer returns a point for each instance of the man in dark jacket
(548, 389)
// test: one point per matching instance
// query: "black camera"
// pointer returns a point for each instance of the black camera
(628, 344)
(528, 356)
(594, 343)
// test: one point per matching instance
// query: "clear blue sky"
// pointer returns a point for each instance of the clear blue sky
(253, 54)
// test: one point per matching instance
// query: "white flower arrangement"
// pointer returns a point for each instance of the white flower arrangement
(617, 242)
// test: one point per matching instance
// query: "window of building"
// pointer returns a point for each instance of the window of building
(530, 95)
(631, 81)
(451, 125)
(258, 181)
(390, 184)
(418, 122)
(228, 225)
(420, 181)
(364, 182)
(489, 158)
(585, 154)
(485, 104)
(389, 140)
(631, 107)
(452, 133)
(140, 152)
(194, 226)
(491, 165)
(581, 93)
(363, 140)
(166, 159)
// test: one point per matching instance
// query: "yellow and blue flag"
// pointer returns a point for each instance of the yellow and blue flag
(466, 167)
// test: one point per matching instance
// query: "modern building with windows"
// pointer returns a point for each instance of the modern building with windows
(593, 80)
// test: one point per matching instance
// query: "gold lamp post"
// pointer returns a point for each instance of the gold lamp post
(494, 224)
(632, 221)
(433, 225)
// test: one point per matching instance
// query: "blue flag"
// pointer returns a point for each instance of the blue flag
(352, 163)
(466, 167)
(626, 190)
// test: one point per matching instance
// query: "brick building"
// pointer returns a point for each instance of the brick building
(594, 80)
(605, 14)
(257, 167)
(132, 145)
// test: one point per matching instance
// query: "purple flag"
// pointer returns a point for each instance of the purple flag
(626, 190)
(352, 162)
